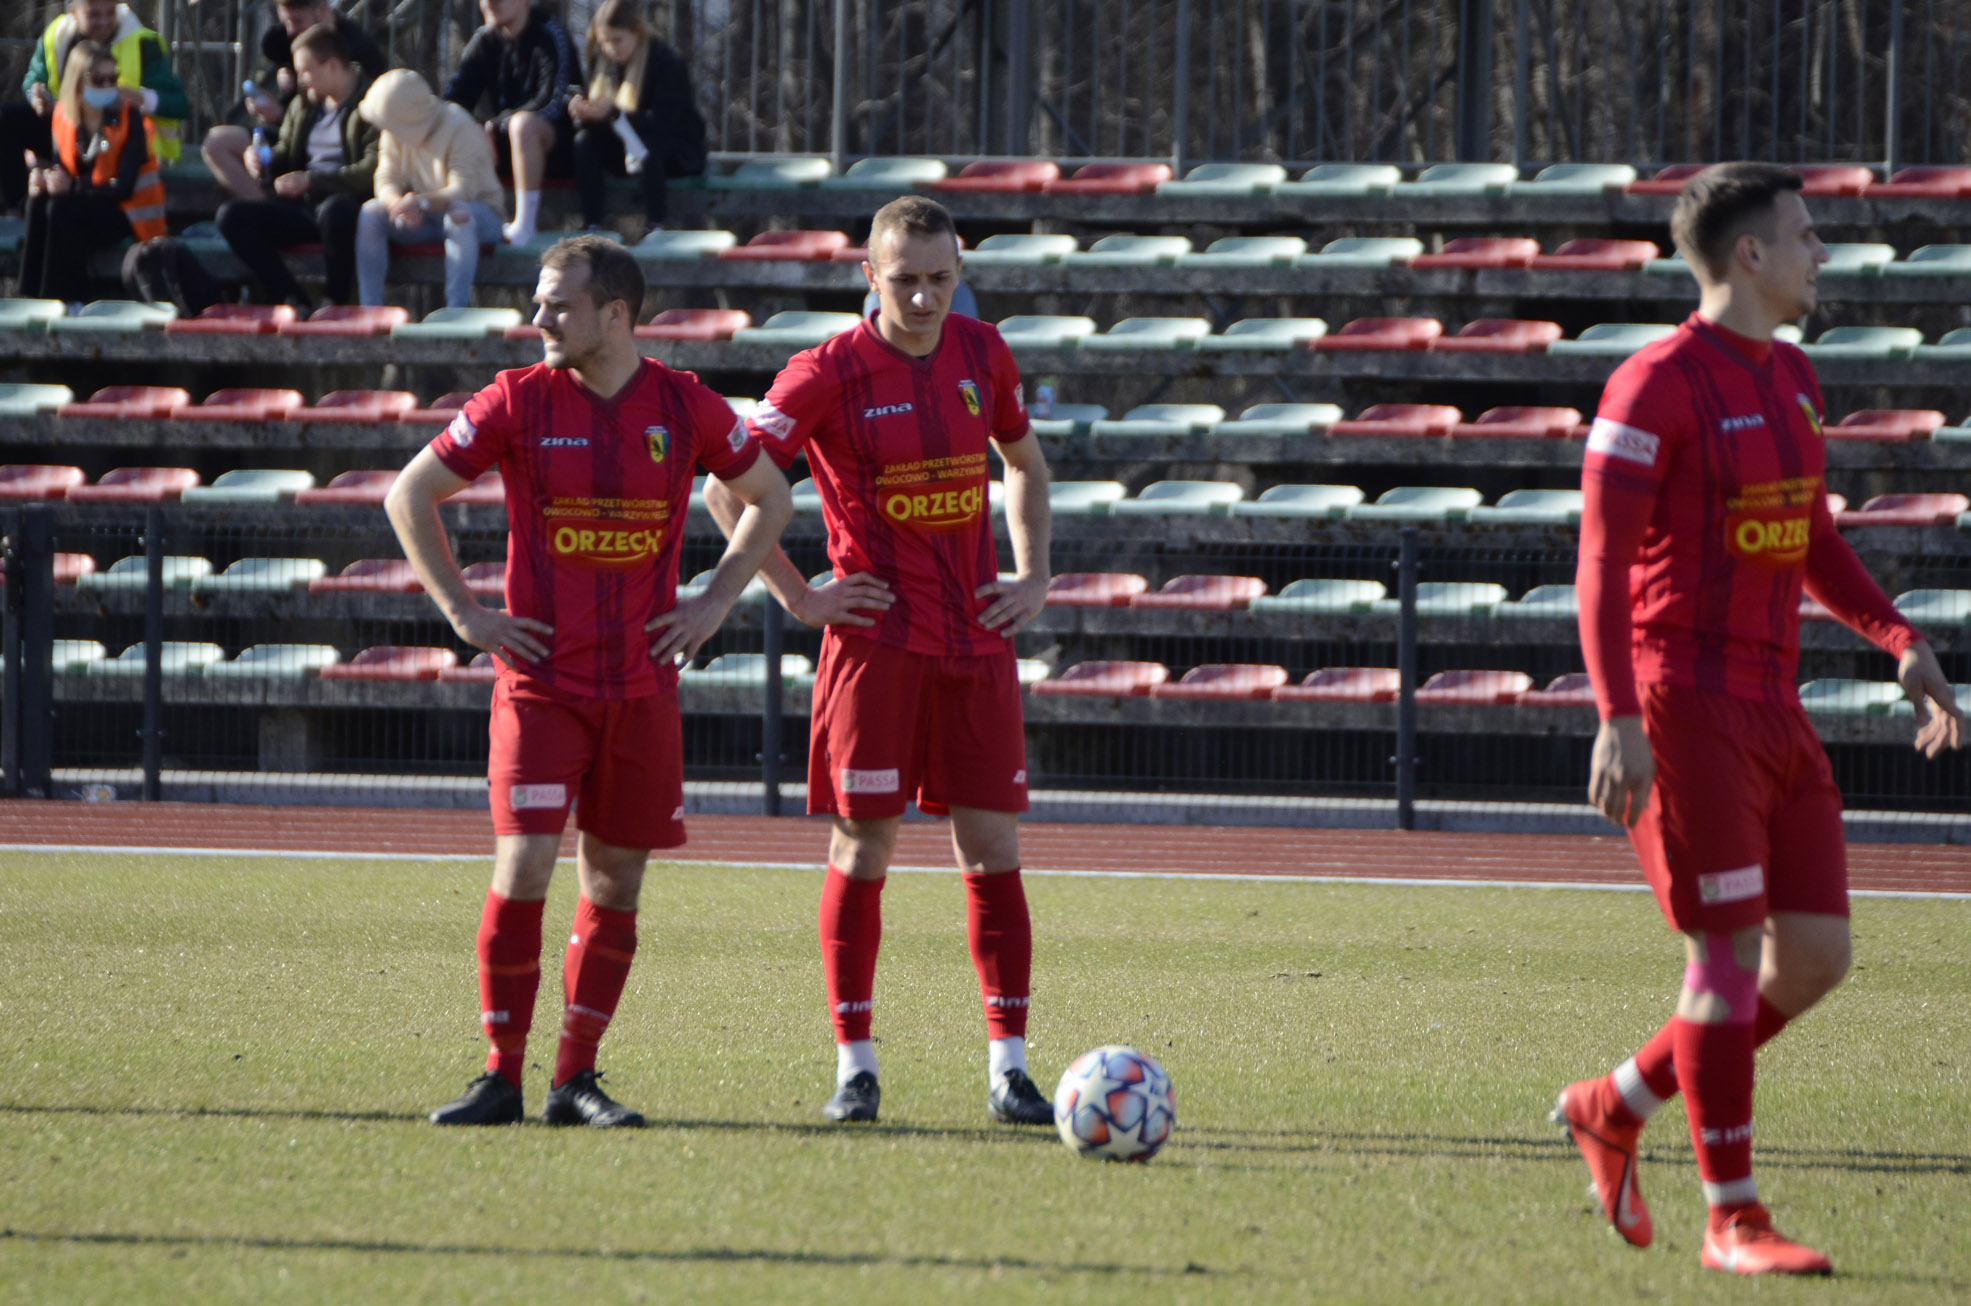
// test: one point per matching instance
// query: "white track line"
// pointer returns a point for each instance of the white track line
(1412, 881)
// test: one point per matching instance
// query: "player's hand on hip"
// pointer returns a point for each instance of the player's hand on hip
(1939, 716)
(1623, 769)
(681, 631)
(503, 635)
(843, 600)
(1015, 603)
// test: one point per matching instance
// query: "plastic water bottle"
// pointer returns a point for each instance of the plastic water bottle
(1043, 402)
(268, 103)
(263, 152)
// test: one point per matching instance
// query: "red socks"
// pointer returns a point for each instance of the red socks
(1714, 1067)
(851, 928)
(600, 948)
(1656, 1060)
(1001, 937)
(509, 975)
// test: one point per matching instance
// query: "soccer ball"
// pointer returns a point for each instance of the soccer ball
(1116, 1104)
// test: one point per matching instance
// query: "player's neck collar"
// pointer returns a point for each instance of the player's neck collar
(872, 325)
(1756, 352)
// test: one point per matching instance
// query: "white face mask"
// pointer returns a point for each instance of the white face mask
(101, 97)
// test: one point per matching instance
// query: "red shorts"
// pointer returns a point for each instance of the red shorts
(621, 761)
(890, 726)
(1744, 819)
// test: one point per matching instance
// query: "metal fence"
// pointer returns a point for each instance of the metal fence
(1407, 81)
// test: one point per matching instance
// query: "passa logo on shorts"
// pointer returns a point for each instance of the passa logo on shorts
(1732, 886)
(870, 782)
(533, 798)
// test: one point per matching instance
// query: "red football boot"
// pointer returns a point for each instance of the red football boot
(1608, 1145)
(1742, 1241)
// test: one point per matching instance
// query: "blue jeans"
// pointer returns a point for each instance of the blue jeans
(375, 234)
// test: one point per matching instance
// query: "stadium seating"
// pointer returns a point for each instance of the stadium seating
(999, 177)
(393, 662)
(1381, 333)
(26, 399)
(1364, 252)
(250, 485)
(1560, 507)
(370, 576)
(1333, 179)
(1838, 696)
(176, 658)
(1481, 252)
(1107, 679)
(114, 317)
(233, 320)
(1570, 690)
(439, 412)
(1083, 498)
(1667, 181)
(1324, 597)
(1020, 251)
(1224, 680)
(1094, 589)
(133, 573)
(136, 485)
(1496, 335)
(1312, 501)
(1203, 594)
(262, 576)
(274, 662)
(458, 324)
(1598, 254)
(787, 246)
(1886, 424)
(1400, 420)
(755, 590)
(1159, 420)
(748, 669)
(1247, 252)
(488, 489)
(358, 487)
(1924, 183)
(1280, 419)
(1447, 598)
(486, 579)
(788, 173)
(1180, 498)
(1495, 687)
(240, 405)
(1954, 346)
(1542, 601)
(129, 401)
(1220, 180)
(1271, 333)
(1834, 179)
(348, 320)
(1519, 423)
(1067, 419)
(797, 330)
(887, 173)
(1135, 333)
(37, 482)
(1576, 179)
(1128, 251)
(1042, 331)
(1344, 685)
(29, 314)
(1612, 339)
(1864, 342)
(807, 496)
(1855, 259)
(73, 655)
(365, 406)
(683, 246)
(482, 670)
(695, 324)
(1419, 503)
(1461, 179)
(1936, 607)
(1933, 261)
(1884, 510)
(1111, 179)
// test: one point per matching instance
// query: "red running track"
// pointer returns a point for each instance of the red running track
(802, 841)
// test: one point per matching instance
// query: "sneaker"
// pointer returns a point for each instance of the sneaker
(1609, 1148)
(579, 1100)
(487, 1100)
(1742, 1241)
(855, 1101)
(1015, 1100)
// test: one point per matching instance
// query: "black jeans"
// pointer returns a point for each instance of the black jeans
(21, 129)
(599, 149)
(258, 230)
(62, 232)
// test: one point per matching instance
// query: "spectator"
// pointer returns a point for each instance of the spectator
(104, 187)
(143, 71)
(522, 66)
(639, 117)
(434, 180)
(323, 169)
(226, 146)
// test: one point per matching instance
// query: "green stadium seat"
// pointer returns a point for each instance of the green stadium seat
(1885, 510)
(29, 314)
(787, 246)
(1327, 597)
(1094, 589)
(275, 662)
(747, 670)
(348, 321)
(370, 576)
(1597, 254)
(1473, 252)
(1379, 334)
(1247, 252)
(175, 658)
(887, 173)
(1932, 261)
(1281, 419)
(1499, 335)
(1105, 679)
(240, 404)
(394, 662)
(1083, 498)
(1936, 607)
(1111, 179)
(1160, 420)
(788, 173)
(1313, 501)
(1862, 259)
(362, 488)
(1269, 333)
(1924, 184)
(133, 573)
(1841, 697)
(1137, 333)
(1461, 179)
(1571, 690)
(115, 317)
(1519, 423)
(251, 485)
(1495, 688)
(1334, 179)
(263, 576)
(1561, 507)
(37, 482)
(1672, 266)
(27, 399)
(1224, 680)
(1019, 251)
(1953, 434)
(136, 485)
(1419, 503)
(542, 242)
(1180, 499)
(458, 324)
(683, 246)
(1344, 685)
(1030, 671)
(694, 324)
(1545, 601)
(13, 231)
(1364, 252)
(1041, 331)
(1448, 598)
(796, 329)
(1612, 339)
(233, 320)
(1226, 180)
(1903, 707)
(1000, 177)
(1953, 345)
(1128, 251)
(1203, 594)
(1576, 179)
(72, 655)
(1409, 421)
(1066, 419)
(1886, 424)
(807, 496)
(1864, 342)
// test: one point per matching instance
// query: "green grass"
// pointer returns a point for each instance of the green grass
(213, 1074)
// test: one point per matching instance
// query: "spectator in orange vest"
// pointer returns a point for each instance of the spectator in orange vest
(103, 187)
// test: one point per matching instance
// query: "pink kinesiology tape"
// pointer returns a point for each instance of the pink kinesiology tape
(1719, 974)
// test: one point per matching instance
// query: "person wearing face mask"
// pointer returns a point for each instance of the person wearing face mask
(104, 188)
(639, 117)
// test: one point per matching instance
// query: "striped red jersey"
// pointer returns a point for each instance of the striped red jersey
(898, 446)
(1705, 514)
(596, 496)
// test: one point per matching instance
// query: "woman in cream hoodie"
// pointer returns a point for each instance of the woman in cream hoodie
(434, 180)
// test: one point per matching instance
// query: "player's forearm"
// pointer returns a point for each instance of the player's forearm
(415, 519)
(1837, 580)
(1029, 520)
(781, 577)
(1613, 522)
(752, 541)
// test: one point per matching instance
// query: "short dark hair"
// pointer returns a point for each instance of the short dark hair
(306, 4)
(912, 215)
(322, 43)
(613, 272)
(1717, 205)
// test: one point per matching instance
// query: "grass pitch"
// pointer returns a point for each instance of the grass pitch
(213, 1076)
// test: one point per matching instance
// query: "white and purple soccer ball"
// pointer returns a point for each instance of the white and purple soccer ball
(1116, 1104)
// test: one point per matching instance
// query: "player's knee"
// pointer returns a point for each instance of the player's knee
(1720, 987)
(1822, 967)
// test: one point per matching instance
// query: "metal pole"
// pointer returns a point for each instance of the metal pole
(1406, 674)
(838, 140)
(153, 732)
(772, 713)
(1180, 106)
(1522, 86)
(10, 652)
(1474, 80)
(1892, 80)
(34, 552)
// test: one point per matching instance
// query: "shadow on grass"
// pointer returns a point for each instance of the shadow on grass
(628, 1256)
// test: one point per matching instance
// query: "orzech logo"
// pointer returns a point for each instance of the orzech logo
(658, 438)
(606, 545)
(970, 394)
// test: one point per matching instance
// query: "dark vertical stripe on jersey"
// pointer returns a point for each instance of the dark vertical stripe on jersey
(608, 439)
(540, 560)
(1711, 602)
(934, 441)
(858, 475)
(985, 561)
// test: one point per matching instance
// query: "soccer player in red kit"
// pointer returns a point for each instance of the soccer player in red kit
(597, 446)
(919, 699)
(1705, 515)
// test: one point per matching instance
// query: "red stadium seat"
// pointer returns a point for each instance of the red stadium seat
(785, 246)
(1344, 685)
(1882, 510)
(1886, 424)
(393, 662)
(1667, 181)
(1481, 252)
(1519, 423)
(1924, 184)
(129, 401)
(1106, 679)
(1400, 420)
(358, 406)
(1381, 333)
(695, 324)
(488, 489)
(370, 576)
(1111, 179)
(1834, 178)
(38, 481)
(136, 485)
(1474, 687)
(482, 670)
(233, 320)
(1499, 335)
(351, 487)
(1224, 680)
(1204, 594)
(1094, 589)
(1571, 690)
(439, 412)
(348, 320)
(486, 579)
(240, 405)
(1000, 176)
(521, 331)
(69, 567)
(1597, 254)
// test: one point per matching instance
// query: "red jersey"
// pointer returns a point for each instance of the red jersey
(596, 496)
(1705, 514)
(898, 449)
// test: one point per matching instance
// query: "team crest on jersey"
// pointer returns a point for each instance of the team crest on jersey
(970, 394)
(1807, 407)
(658, 439)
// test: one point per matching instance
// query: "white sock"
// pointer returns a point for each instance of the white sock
(851, 1059)
(526, 213)
(1635, 1094)
(1002, 1055)
(634, 150)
